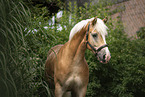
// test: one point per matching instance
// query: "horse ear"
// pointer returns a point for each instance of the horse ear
(105, 19)
(94, 20)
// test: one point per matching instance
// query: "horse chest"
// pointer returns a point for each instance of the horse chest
(74, 80)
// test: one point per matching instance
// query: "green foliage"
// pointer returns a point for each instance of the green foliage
(141, 33)
(25, 43)
(124, 75)
(12, 62)
(18, 63)
(44, 8)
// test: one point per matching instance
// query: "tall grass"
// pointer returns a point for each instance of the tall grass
(17, 69)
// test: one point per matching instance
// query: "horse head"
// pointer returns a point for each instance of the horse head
(95, 39)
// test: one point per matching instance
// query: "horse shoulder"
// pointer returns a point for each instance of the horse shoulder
(51, 57)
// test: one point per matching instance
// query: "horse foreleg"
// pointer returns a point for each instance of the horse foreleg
(79, 92)
(67, 94)
(58, 90)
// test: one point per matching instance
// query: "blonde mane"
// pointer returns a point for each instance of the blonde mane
(99, 26)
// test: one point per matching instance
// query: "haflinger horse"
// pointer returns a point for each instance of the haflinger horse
(66, 63)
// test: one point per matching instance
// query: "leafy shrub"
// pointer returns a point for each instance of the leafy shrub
(141, 33)
(124, 75)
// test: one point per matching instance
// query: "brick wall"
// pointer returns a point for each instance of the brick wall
(133, 17)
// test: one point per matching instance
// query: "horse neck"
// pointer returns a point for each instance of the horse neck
(80, 54)
(77, 40)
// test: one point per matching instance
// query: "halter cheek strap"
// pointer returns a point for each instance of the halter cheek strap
(99, 49)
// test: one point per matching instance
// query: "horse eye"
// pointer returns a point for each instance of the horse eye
(95, 35)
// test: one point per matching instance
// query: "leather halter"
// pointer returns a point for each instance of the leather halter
(87, 42)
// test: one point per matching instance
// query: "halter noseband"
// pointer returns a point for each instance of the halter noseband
(99, 49)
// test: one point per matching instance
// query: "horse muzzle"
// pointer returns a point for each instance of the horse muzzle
(102, 54)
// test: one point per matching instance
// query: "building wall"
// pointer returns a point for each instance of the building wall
(133, 17)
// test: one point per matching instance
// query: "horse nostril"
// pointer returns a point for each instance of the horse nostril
(104, 57)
